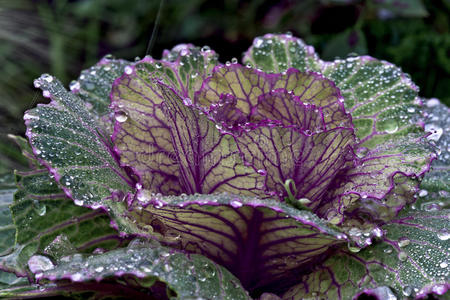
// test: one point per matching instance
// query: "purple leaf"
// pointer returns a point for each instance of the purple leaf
(141, 136)
(265, 243)
(209, 161)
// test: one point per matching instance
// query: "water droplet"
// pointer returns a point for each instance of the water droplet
(387, 250)
(46, 94)
(74, 86)
(423, 193)
(77, 277)
(353, 248)
(99, 269)
(436, 132)
(407, 291)
(304, 201)
(128, 70)
(403, 242)
(432, 102)
(391, 126)
(262, 172)
(205, 49)
(47, 77)
(120, 116)
(236, 203)
(40, 208)
(40, 263)
(234, 60)
(402, 256)
(258, 42)
(443, 234)
(187, 101)
(158, 204)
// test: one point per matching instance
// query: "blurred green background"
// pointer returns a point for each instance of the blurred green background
(63, 37)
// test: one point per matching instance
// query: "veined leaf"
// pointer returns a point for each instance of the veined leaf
(209, 160)
(147, 271)
(68, 140)
(142, 138)
(264, 243)
(94, 86)
(381, 99)
(45, 218)
(379, 185)
(411, 260)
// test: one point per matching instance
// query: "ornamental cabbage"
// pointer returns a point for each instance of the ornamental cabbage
(285, 177)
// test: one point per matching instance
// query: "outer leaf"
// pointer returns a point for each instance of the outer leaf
(380, 98)
(209, 160)
(7, 231)
(94, 86)
(434, 191)
(67, 139)
(43, 214)
(7, 228)
(141, 137)
(412, 259)
(148, 271)
(266, 244)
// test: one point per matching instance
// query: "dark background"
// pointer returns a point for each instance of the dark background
(62, 37)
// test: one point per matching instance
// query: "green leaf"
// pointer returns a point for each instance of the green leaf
(150, 270)
(7, 231)
(434, 191)
(265, 243)
(411, 260)
(26, 150)
(69, 141)
(379, 96)
(7, 228)
(45, 218)
(94, 86)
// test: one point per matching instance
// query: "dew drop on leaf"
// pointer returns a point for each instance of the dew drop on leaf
(120, 116)
(403, 242)
(128, 70)
(443, 234)
(74, 86)
(40, 263)
(402, 256)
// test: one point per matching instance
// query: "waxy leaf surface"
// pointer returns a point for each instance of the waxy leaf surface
(412, 259)
(67, 139)
(142, 138)
(47, 221)
(94, 86)
(264, 243)
(149, 271)
(209, 161)
(380, 98)
(384, 110)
